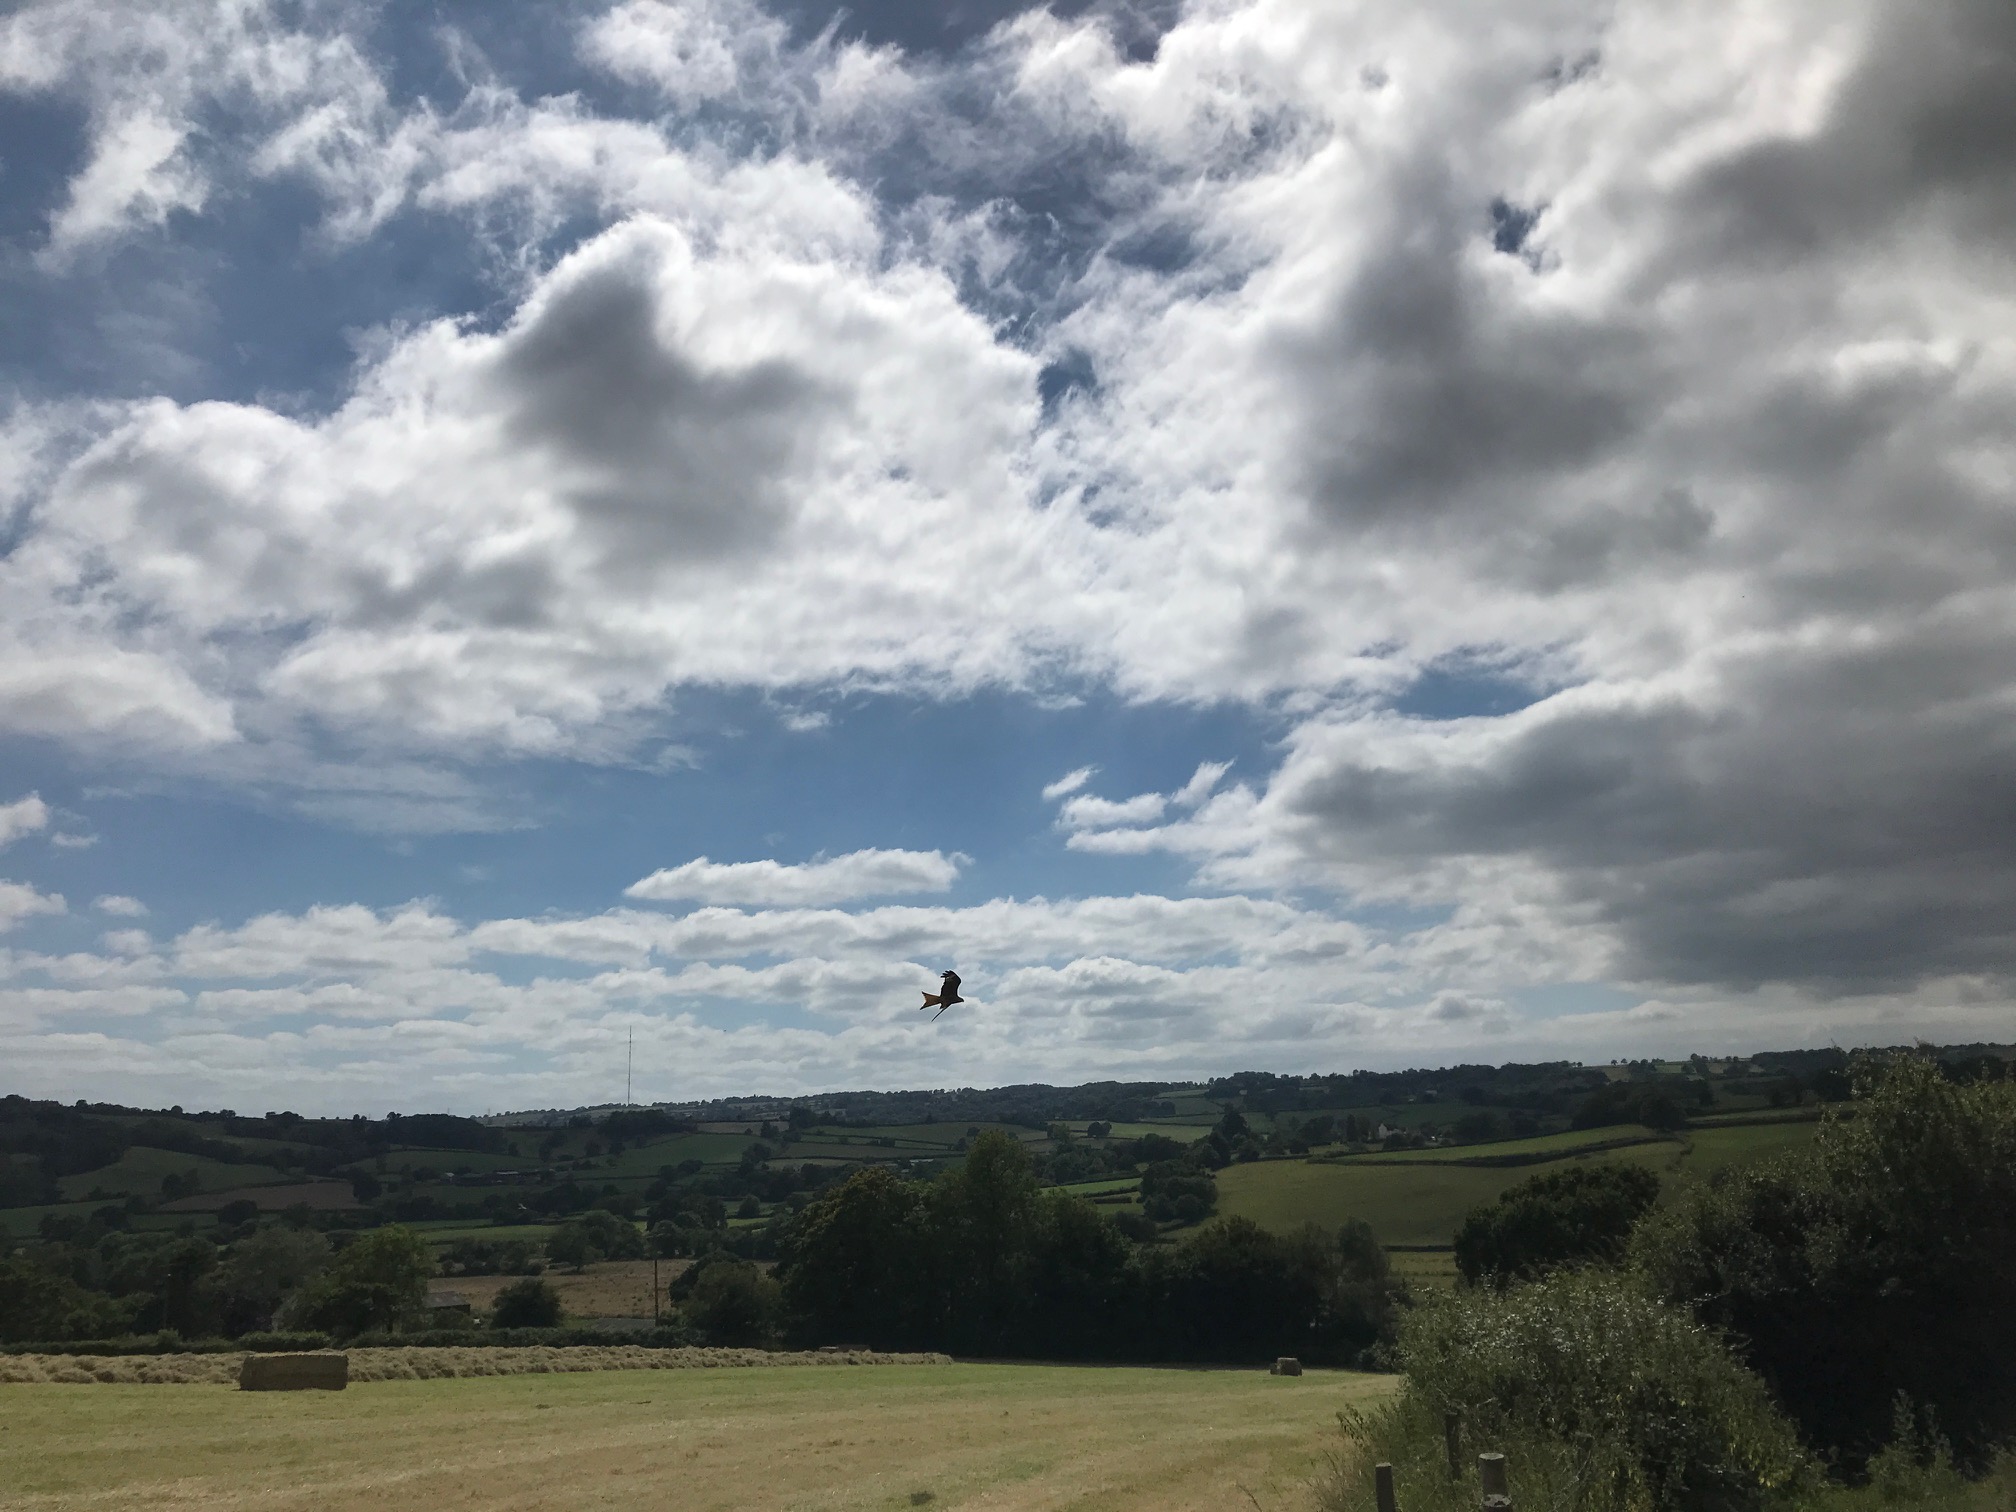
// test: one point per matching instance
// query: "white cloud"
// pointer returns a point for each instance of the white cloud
(137, 176)
(1116, 826)
(1069, 783)
(1657, 358)
(150, 75)
(1089, 812)
(691, 53)
(361, 1008)
(859, 874)
(674, 464)
(120, 906)
(19, 901)
(24, 816)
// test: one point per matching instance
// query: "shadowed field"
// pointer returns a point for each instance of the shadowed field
(1003, 1437)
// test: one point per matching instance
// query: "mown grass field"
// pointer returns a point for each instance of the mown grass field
(846, 1439)
(1423, 1201)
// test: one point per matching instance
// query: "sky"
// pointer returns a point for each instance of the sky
(1268, 534)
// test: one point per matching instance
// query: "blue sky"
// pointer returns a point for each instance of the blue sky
(1270, 535)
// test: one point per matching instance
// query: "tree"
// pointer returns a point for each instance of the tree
(37, 1304)
(1883, 1261)
(573, 1246)
(530, 1303)
(1232, 1293)
(1077, 1283)
(1579, 1216)
(982, 1215)
(172, 1277)
(378, 1282)
(857, 1269)
(734, 1304)
(261, 1270)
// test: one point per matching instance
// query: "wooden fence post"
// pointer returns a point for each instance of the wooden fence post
(1452, 1426)
(1497, 1490)
(1382, 1484)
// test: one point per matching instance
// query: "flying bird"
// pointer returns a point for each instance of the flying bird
(946, 995)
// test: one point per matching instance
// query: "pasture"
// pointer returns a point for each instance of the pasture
(606, 1289)
(139, 1170)
(847, 1439)
(1421, 1200)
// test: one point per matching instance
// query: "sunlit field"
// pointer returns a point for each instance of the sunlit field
(1006, 1437)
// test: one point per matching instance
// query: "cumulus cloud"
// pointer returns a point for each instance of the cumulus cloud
(120, 906)
(1658, 357)
(19, 901)
(24, 816)
(1122, 825)
(654, 474)
(858, 874)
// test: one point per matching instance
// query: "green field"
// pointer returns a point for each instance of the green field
(1713, 1148)
(1181, 1133)
(449, 1160)
(1763, 1115)
(1101, 1188)
(25, 1222)
(1411, 1204)
(1543, 1146)
(1423, 1202)
(708, 1149)
(448, 1230)
(821, 1439)
(139, 1170)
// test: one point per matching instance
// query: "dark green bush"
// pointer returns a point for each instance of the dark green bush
(529, 1303)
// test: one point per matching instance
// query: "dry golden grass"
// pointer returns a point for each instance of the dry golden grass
(612, 1289)
(419, 1364)
(955, 1438)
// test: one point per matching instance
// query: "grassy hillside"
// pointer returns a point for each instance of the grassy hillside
(139, 1171)
(1421, 1197)
(1009, 1438)
(1405, 1204)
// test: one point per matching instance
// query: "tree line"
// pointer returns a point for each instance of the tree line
(1847, 1313)
(985, 1262)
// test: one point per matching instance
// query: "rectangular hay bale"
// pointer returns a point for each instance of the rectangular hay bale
(1286, 1365)
(324, 1370)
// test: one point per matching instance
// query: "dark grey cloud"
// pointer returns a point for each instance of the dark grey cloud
(673, 462)
(1925, 126)
(1839, 818)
